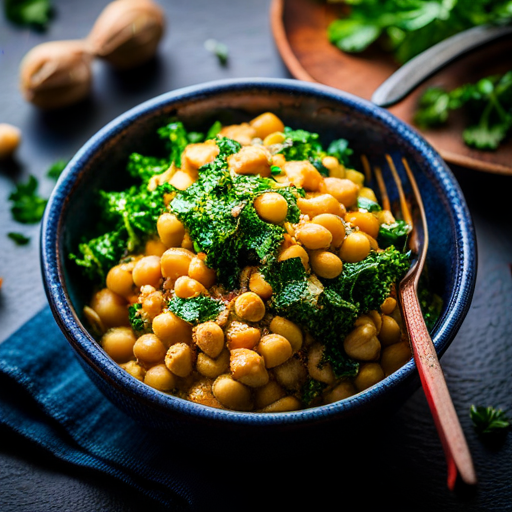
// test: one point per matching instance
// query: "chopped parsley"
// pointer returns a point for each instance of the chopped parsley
(28, 207)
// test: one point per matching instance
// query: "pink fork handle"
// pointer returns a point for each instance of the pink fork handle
(456, 450)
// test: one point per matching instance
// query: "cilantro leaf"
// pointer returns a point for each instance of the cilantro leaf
(488, 420)
(29, 12)
(28, 207)
(18, 238)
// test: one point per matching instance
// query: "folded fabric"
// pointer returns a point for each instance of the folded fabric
(46, 396)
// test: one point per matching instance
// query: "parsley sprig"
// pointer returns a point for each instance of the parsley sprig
(487, 420)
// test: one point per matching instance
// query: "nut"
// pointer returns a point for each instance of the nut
(10, 137)
(56, 74)
(127, 32)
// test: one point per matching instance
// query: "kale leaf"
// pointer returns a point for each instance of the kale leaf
(488, 420)
(139, 324)
(393, 234)
(196, 310)
(28, 207)
(145, 167)
(177, 139)
(310, 390)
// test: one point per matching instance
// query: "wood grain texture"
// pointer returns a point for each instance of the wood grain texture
(299, 28)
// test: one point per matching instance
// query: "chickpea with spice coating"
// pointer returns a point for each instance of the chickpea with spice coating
(179, 359)
(271, 207)
(213, 367)
(250, 307)
(240, 335)
(209, 337)
(251, 160)
(248, 367)
(231, 393)
(317, 368)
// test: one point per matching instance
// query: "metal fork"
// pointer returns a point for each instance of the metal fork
(455, 447)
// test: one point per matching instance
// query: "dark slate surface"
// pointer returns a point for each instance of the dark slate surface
(400, 463)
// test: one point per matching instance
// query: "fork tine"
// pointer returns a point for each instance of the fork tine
(406, 212)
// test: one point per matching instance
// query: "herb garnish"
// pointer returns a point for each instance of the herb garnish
(18, 238)
(487, 420)
(219, 49)
(29, 12)
(28, 207)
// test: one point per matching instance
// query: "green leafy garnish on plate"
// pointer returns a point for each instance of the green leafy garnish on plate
(196, 310)
(487, 104)
(18, 238)
(219, 49)
(487, 420)
(29, 12)
(56, 169)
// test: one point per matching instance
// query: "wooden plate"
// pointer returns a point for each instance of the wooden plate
(299, 28)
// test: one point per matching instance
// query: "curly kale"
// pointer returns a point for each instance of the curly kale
(145, 167)
(218, 213)
(196, 310)
(139, 324)
(393, 234)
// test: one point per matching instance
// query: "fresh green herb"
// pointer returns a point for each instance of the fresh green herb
(56, 169)
(145, 167)
(139, 324)
(28, 207)
(301, 145)
(275, 170)
(29, 12)
(488, 420)
(218, 49)
(488, 104)
(339, 149)
(393, 234)
(196, 310)
(218, 214)
(18, 238)
(368, 204)
(214, 130)
(177, 139)
(408, 27)
(310, 390)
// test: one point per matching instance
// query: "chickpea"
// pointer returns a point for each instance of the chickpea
(242, 133)
(209, 337)
(179, 359)
(175, 262)
(232, 394)
(365, 221)
(134, 369)
(199, 271)
(274, 138)
(326, 264)
(376, 319)
(369, 374)
(201, 392)
(94, 320)
(362, 344)
(268, 394)
(120, 281)
(170, 230)
(285, 404)
(343, 190)
(355, 177)
(181, 180)
(186, 287)
(111, 308)
(240, 335)
(291, 374)
(390, 332)
(395, 356)
(336, 170)
(172, 329)
(374, 246)
(368, 193)
(213, 367)
(258, 285)
(147, 271)
(286, 328)
(303, 174)
(152, 304)
(341, 391)
(388, 306)
(295, 251)
(251, 160)
(250, 307)
(248, 367)
(275, 349)
(334, 224)
(149, 350)
(385, 217)
(279, 160)
(10, 138)
(155, 247)
(323, 203)
(317, 368)
(194, 156)
(267, 123)
(314, 236)
(159, 377)
(118, 343)
(271, 207)
(356, 247)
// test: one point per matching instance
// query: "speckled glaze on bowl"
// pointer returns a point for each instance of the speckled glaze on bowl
(332, 114)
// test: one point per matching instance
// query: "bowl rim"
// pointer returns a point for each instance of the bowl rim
(84, 344)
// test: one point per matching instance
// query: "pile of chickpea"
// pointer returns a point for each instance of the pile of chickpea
(247, 359)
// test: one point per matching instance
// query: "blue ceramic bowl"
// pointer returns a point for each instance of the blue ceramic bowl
(332, 114)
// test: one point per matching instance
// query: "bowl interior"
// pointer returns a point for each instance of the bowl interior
(371, 131)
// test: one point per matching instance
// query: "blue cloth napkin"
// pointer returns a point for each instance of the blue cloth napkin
(46, 397)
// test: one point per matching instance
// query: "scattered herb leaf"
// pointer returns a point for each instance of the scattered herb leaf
(196, 310)
(29, 12)
(18, 238)
(219, 49)
(56, 169)
(28, 207)
(487, 420)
